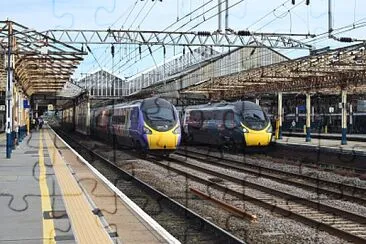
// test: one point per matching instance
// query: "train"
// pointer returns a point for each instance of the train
(235, 125)
(148, 125)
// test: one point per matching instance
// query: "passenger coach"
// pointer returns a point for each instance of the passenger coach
(241, 123)
(148, 124)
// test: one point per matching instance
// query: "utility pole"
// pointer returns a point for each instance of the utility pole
(226, 15)
(330, 22)
(9, 95)
(219, 16)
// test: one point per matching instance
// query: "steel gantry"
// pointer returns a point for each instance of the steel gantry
(169, 38)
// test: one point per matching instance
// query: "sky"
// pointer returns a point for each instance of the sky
(254, 15)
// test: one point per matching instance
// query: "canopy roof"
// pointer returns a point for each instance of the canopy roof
(41, 64)
(328, 72)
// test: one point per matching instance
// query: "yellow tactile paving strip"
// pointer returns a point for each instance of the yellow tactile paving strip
(130, 229)
(86, 226)
(48, 225)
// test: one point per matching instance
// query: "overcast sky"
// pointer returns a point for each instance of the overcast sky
(255, 15)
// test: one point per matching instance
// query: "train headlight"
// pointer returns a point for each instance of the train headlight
(147, 131)
(177, 130)
(269, 129)
(245, 130)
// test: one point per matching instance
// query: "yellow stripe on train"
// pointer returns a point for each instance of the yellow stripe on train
(257, 137)
(162, 139)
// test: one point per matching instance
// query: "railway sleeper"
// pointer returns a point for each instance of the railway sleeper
(358, 231)
(334, 221)
(349, 226)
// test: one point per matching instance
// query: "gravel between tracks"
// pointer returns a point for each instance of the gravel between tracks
(262, 160)
(341, 204)
(270, 227)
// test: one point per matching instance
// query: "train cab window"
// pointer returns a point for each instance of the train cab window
(255, 119)
(158, 110)
(158, 114)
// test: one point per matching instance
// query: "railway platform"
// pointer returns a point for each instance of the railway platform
(331, 136)
(326, 152)
(50, 194)
(354, 147)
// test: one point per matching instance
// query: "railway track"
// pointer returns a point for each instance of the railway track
(346, 225)
(335, 189)
(184, 224)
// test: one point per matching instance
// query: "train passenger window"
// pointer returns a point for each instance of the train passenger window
(229, 121)
(195, 118)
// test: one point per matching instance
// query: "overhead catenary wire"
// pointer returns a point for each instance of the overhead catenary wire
(171, 25)
(214, 15)
(149, 48)
(132, 7)
(189, 29)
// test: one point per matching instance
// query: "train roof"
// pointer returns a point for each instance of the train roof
(135, 103)
(239, 105)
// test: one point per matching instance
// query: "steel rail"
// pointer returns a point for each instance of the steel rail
(334, 215)
(340, 190)
(219, 233)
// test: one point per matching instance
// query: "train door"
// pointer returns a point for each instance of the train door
(194, 125)
(134, 125)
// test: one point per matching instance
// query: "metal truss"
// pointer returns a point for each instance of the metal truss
(343, 68)
(167, 38)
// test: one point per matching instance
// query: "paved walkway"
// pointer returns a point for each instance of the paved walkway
(32, 200)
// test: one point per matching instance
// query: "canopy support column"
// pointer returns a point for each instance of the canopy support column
(344, 117)
(308, 115)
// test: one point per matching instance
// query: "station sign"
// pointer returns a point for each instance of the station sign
(26, 104)
(50, 107)
(301, 107)
(2, 107)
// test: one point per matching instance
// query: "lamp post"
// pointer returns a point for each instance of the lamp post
(9, 95)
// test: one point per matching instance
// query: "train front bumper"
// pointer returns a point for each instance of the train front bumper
(163, 140)
(257, 138)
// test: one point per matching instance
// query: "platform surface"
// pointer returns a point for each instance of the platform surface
(336, 136)
(47, 196)
(25, 197)
(332, 144)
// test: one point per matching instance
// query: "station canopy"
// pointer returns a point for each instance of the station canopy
(42, 65)
(326, 72)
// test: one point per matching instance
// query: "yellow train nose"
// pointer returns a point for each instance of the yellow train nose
(257, 138)
(163, 140)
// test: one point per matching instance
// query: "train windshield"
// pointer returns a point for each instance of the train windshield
(158, 114)
(255, 119)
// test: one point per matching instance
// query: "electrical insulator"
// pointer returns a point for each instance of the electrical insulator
(345, 39)
(112, 50)
(293, 2)
(307, 2)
